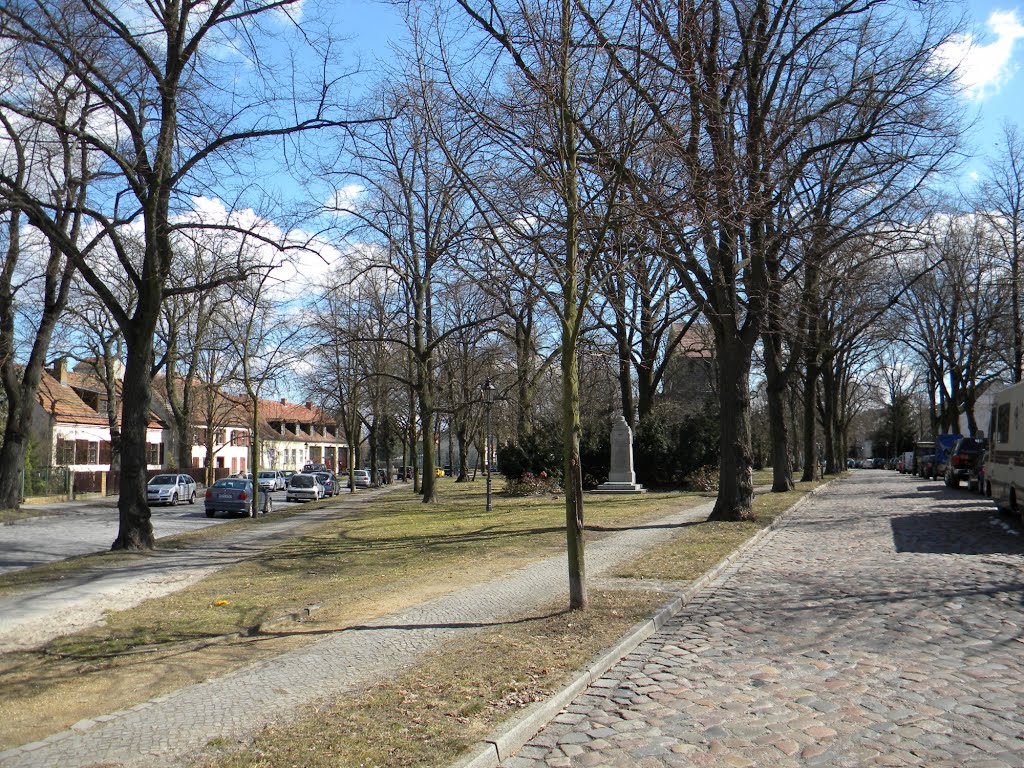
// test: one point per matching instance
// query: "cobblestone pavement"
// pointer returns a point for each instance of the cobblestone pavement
(163, 731)
(882, 624)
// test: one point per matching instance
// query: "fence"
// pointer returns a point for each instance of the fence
(54, 481)
(48, 481)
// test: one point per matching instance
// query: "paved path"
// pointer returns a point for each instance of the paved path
(882, 624)
(161, 732)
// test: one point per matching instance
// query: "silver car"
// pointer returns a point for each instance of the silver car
(171, 489)
(303, 487)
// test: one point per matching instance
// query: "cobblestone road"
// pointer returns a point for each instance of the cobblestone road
(882, 624)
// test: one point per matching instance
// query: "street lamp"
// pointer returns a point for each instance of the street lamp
(487, 388)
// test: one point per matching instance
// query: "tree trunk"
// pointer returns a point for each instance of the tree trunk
(778, 431)
(463, 442)
(135, 529)
(736, 482)
(573, 472)
(810, 426)
(625, 371)
(12, 455)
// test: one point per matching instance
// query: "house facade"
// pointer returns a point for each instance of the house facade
(71, 429)
(70, 426)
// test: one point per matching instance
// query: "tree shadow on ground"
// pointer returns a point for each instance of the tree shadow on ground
(964, 530)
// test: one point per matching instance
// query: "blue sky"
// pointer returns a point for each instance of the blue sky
(991, 71)
(991, 56)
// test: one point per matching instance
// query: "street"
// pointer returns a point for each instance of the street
(82, 527)
(881, 624)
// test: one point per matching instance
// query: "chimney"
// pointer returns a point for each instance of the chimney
(60, 370)
(309, 405)
(284, 401)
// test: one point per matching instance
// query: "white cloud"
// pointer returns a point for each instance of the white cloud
(983, 69)
(344, 200)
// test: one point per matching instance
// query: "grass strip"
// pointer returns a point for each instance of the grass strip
(394, 553)
(693, 553)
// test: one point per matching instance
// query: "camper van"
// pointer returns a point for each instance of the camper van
(1004, 469)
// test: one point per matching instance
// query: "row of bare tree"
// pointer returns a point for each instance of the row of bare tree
(553, 170)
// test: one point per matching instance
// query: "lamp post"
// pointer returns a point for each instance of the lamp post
(487, 388)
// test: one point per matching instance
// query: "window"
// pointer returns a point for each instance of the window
(65, 452)
(104, 407)
(219, 437)
(155, 453)
(92, 453)
(1002, 431)
(105, 452)
(200, 436)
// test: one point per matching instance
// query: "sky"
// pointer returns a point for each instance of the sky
(992, 74)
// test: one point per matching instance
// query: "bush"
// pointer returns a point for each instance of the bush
(531, 485)
(536, 453)
(671, 452)
(704, 479)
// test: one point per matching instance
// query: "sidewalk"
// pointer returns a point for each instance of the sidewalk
(163, 731)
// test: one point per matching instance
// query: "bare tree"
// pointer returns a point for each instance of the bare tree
(161, 115)
(36, 277)
(552, 96)
(1003, 198)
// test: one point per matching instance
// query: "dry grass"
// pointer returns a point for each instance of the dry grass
(453, 698)
(396, 553)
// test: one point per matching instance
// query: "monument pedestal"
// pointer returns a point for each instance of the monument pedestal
(621, 478)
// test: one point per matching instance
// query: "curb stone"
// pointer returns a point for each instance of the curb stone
(515, 733)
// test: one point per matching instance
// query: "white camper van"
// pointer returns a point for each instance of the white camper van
(1004, 469)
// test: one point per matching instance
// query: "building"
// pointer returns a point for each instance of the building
(691, 376)
(71, 428)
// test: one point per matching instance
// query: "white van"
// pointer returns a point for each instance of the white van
(1004, 469)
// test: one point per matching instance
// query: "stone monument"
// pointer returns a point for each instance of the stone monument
(621, 477)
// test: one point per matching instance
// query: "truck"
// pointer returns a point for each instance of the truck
(963, 460)
(1004, 467)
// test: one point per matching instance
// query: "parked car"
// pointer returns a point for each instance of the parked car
(382, 477)
(943, 450)
(964, 456)
(403, 473)
(924, 458)
(170, 489)
(328, 481)
(233, 494)
(271, 480)
(361, 478)
(304, 487)
(286, 473)
(310, 468)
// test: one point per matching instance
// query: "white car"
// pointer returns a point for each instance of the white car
(303, 487)
(171, 489)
